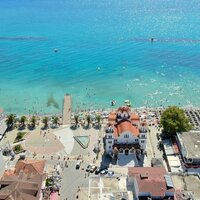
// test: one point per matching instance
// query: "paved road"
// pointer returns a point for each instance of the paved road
(72, 179)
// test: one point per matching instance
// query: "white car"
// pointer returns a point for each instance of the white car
(110, 173)
(78, 164)
(93, 168)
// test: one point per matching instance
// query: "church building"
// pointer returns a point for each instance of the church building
(125, 133)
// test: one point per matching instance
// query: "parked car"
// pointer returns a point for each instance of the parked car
(93, 168)
(22, 157)
(88, 168)
(78, 164)
(98, 170)
(104, 172)
(110, 173)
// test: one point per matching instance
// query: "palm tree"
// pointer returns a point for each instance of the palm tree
(45, 121)
(33, 121)
(88, 119)
(98, 118)
(76, 118)
(23, 120)
(55, 120)
(10, 121)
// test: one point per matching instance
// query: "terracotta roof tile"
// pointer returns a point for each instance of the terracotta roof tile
(30, 166)
(112, 117)
(124, 108)
(134, 117)
(154, 182)
(125, 126)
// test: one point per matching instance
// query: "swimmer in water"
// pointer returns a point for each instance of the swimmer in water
(55, 50)
(152, 39)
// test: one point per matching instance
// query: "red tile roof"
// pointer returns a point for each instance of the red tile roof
(21, 187)
(25, 182)
(124, 127)
(30, 166)
(134, 117)
(150, 179)
(124, 108)
(112, 117)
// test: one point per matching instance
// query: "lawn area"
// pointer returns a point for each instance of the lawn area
(20, 136)
(18, 149)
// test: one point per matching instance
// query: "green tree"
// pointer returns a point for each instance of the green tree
(33, 121)
(173, 120)
(23, 120)
(55, 120)
(18, 148)
(76, 119)
(88, 119)
(98, 118)
(10, 121)
(45, 121)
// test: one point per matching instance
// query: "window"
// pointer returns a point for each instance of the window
(109, 147)
(110, 136)
(136, 140)
(110, 142)
(142, 141)
(126, 136)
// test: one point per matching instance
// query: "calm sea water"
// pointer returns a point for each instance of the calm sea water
(104, 53)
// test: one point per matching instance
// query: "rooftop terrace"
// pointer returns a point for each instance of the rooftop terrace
(191, 141)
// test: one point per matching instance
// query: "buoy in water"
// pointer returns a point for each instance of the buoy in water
(55, 50)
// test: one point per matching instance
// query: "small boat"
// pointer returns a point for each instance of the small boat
(127, 103)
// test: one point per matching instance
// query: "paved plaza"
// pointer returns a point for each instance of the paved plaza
(43, 142)
(65, 136)
(105, 187)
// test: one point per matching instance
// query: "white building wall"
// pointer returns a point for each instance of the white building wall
(143, 140)
(127, 138)
(109, 140)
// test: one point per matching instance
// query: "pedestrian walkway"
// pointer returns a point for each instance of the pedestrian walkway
(65, 136)
(154, 142)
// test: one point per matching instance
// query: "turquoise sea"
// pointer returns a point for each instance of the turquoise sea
(103, 53)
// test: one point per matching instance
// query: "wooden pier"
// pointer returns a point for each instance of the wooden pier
(67, 109)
